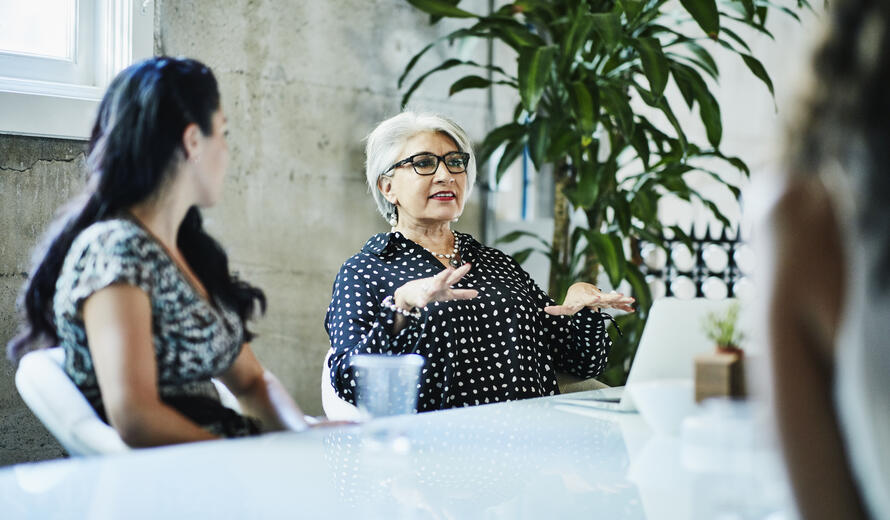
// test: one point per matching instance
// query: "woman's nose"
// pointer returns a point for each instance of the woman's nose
(442, 174)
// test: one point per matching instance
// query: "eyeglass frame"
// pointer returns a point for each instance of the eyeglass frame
(440, 159)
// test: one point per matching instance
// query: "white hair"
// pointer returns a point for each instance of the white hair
(387, 140)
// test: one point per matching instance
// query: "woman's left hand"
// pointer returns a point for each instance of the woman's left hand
(582, 295)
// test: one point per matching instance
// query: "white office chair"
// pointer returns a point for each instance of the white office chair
(61, 407)
(335, 408)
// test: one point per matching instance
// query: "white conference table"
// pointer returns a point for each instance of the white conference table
(535, 459)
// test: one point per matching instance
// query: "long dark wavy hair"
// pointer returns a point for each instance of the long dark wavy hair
(135, 145)
(846, 115)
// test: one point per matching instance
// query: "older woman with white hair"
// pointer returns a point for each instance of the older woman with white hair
(487, 331)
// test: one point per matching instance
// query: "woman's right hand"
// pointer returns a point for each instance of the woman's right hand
(417, 294)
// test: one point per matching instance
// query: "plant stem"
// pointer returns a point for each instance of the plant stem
(591, 262)
(560, 242)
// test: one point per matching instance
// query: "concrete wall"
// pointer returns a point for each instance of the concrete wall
(36, 176)
(302, 83)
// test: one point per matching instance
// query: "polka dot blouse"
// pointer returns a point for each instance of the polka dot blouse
(499, 346)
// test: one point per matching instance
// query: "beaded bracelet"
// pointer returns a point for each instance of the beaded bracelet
(391, 305)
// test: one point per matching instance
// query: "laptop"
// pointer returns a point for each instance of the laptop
(673, 336)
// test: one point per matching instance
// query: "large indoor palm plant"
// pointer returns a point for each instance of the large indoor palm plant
(591, 78)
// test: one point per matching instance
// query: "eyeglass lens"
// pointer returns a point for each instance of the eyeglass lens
(455, 162)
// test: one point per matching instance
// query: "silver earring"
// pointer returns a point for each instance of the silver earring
(393, 217)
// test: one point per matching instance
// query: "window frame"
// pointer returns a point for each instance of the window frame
(116, 33)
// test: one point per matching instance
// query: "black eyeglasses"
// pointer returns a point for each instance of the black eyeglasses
(426, 163)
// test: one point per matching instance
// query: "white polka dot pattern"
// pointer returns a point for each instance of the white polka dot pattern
(499, 346)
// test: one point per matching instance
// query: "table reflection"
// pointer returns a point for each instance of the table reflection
(540, 458)
(497, 461)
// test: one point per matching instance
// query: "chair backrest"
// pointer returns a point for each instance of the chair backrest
(61, 407)
(335, 408)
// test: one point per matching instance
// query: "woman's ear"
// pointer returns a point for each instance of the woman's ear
(191, 142)
(384, 184)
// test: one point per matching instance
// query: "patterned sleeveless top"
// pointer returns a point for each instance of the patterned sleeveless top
(194, 339)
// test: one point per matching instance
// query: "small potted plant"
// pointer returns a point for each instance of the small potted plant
(722, 329)
(721, 373)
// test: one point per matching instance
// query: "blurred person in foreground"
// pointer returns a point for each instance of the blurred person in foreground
(133, 288)
(830, 282)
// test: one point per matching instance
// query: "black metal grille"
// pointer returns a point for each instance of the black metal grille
(730, 243)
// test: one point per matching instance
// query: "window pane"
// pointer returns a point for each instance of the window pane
(38, 27)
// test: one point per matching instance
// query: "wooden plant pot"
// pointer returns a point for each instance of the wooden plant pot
(720, 374)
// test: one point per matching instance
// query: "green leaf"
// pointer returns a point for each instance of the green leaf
(584, 106)
(586, 192)
(608, 27)
(441, 8)
(513, 33)
(513, 236)
(708, 62)
(644, 206)
(434, 18)
(735, 161)
(692, 86)
(641, 145)
(757, 68)
(738, 39)
(610, 253)
(655, 64)
(705, 14)
(675, 185)
(665, 108)
(617, 103)
(757, 27)
(632, 8)
(762, 11)
(682, 236)
(622, 210)
(516, 235)
(445, 65)
(458, 34)
(574, 40)
(720, 179)
(522, 256)
(560, 142)
(640, 289)
(511, 152)
(685, 87)
(496, 137)
(539, 142)
(535, 66)
(709, 111)
(468, 82)
(806, 4)
(715, 210)
(789, 12)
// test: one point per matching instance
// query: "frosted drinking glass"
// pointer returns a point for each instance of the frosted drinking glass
(387, 385)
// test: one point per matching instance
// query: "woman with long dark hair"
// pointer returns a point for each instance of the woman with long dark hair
(830, 284)
(133, 288)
